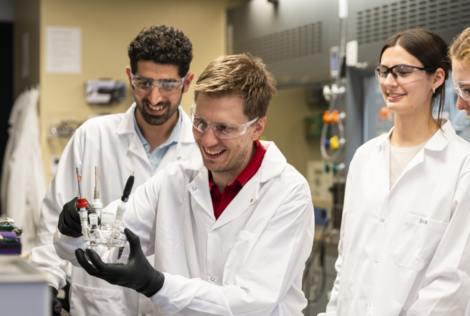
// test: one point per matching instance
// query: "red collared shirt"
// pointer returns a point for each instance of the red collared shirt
(221, 200)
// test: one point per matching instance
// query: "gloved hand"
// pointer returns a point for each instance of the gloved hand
(136, 274)
(69, 219)
(55, 303)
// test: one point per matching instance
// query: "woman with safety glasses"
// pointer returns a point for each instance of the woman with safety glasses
(459, 53)
(405, 236)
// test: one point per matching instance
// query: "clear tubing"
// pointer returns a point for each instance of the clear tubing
(117, 221)
(97, 190)
(84, 222)
(96, 197)
(97, 206)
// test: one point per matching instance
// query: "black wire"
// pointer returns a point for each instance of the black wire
(309, 263)
(323, 282)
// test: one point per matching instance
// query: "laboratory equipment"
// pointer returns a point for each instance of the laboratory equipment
(82, 205)
(332, 143)
(10, 243)
(8, 239)
(102, 234)
(6, 225)
(96, 198)
(121, 208)
(105, 91)
(94, 235)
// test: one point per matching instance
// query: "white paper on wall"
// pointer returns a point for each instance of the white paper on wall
(63, 50)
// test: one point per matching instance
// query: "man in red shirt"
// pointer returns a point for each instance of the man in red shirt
(230, 233)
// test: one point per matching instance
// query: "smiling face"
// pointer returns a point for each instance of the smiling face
(461, 72)
(412, 97)
(156, 109)
(225, 157)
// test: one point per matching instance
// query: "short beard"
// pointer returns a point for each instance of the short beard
(157, 120)
(235, 164)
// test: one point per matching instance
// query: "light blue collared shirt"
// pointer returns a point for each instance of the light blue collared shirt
(158, 153)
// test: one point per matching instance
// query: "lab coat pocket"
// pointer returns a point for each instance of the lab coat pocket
(418, 238)
(98, 301)
(239, 254)
(244, 244)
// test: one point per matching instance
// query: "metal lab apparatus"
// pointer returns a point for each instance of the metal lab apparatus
(23, 289)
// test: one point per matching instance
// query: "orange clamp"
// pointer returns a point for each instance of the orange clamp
(326, 117)
(334, 117)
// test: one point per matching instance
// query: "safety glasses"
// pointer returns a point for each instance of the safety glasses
(401, 73)
(165, 86)
(462, 88)
(221, 130)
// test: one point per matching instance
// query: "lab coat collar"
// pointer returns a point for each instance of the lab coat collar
(441, 138)
(272, 166)
(127, 125)
(273, 163)
(186, 133)
(438, 141)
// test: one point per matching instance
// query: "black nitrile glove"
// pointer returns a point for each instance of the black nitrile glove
(136, 274)
(56, 305)
(69, 219)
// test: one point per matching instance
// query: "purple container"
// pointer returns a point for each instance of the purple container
(10, 249)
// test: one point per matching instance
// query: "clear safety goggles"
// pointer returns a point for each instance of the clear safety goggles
(462, 88)
(401, 73)
(221, 130)
(165, 86)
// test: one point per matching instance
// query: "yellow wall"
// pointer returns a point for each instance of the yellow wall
(108, 26)
(286, 127)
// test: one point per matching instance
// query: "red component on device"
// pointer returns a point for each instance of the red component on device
(81, 203)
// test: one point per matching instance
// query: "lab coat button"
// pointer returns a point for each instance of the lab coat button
(212, 279)
(251, 201)
(178, 158)
(382, 220)
(194, 188)
(376, 261)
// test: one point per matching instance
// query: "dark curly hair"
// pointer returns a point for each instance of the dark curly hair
(162, 45)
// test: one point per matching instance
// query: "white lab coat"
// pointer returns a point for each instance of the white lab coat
(23, 181)
(112, 144)
(248, 262)
(406, 250)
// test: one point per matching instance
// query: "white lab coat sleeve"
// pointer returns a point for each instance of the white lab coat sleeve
(65, 247)
(277, 258)
(46, 259)
(332, 307)
(62, 189)
(446, 287)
